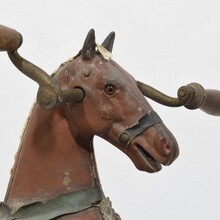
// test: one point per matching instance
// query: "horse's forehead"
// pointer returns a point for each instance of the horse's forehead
(95, 72)
(97, 67)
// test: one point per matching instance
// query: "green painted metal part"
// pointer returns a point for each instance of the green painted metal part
(64, 204)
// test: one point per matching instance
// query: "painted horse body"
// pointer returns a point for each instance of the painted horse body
(49, 161)
(55, 174)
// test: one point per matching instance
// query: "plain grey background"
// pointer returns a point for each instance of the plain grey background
(164, 43)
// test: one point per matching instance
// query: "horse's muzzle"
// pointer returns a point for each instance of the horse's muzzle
(143, 124)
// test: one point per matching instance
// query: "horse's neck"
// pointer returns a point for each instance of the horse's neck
(50, 161)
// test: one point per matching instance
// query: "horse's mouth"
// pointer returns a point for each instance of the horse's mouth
(150, 161)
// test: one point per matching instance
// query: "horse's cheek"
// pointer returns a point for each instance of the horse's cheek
(107, 112)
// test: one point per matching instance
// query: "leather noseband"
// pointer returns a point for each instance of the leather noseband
(143, 124)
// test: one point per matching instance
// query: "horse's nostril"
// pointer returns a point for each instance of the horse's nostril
(165, 146)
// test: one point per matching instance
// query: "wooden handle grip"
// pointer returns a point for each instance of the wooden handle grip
(10, 39)
(196, 96)
(211, 103)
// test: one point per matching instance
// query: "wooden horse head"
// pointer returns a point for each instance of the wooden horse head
(114, 108)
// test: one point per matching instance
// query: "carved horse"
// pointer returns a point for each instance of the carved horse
(55, 174)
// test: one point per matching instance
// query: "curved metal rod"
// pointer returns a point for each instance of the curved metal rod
(29, 69)
(160, 97)
(192, 96)
(49, 96)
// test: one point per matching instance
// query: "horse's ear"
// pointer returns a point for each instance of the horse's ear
(109, 41)
(88, 50)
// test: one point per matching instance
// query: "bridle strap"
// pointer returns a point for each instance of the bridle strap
(143, 124)
(67, 203)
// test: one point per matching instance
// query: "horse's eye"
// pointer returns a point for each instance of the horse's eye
(110, 89)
